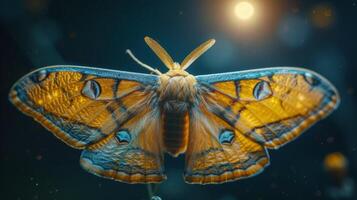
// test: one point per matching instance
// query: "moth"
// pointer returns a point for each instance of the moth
(224, 123)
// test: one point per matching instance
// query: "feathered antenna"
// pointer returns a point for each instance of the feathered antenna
(196, 53)
(160, 52)
(168, 61)
(166, 58)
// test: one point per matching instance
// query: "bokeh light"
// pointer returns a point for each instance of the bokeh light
(322, 16)
(335, 161)
(36, 6)
(244, 10)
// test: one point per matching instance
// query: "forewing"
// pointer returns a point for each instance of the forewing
(89, 109)
(271, 106)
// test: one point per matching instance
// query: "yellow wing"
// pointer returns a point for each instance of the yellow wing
(241, 113)
(104, 112)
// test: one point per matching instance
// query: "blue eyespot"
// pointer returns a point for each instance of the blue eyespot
(226, 137)
(39, 76)
(91, 89)
(123, 136)
(262, 90)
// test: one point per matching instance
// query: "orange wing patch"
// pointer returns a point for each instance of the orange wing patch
(126, 86)
(228, 88)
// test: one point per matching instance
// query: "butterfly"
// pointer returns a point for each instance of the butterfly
(224, 123)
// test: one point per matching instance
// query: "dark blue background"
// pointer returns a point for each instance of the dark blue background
(37, 33)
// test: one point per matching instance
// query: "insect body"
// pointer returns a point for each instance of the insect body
(125, 121)
(177, 94)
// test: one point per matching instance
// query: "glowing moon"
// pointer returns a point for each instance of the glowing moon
(244, 10)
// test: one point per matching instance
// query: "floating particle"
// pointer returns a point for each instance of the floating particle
(330, 140)
(39, 157)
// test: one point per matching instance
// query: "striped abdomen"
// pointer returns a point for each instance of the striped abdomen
(175, 135)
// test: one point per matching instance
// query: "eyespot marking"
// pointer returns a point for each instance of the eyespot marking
(91, 89)
(262, 90)
(39, 76)
(226, 137)
(123, 136)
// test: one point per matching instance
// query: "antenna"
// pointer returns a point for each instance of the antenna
(196, 53)
(160, 52)
(142, 64)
